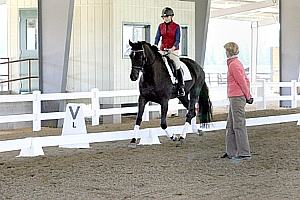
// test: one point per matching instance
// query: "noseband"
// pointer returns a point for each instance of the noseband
(137, 68)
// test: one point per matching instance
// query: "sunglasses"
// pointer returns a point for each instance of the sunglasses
(165, 16)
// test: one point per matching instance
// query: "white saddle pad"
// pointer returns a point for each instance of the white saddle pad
(186, 73)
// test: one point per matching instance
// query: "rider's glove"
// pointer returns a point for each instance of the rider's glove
(170, 51)
(250, 101)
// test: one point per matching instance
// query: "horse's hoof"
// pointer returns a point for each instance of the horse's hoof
(181, 140)
(132, 145)
(200, 133)
(174, 138)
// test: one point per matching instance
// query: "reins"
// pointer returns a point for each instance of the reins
(174, 55)
(167, 54)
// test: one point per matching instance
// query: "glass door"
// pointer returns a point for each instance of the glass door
(28, 48)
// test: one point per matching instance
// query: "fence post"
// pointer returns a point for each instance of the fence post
(294, 94)
(36, 110)
(261, 92)
(95, 106)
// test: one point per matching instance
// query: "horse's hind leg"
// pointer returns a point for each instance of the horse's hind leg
(194, 125)
(184, 100)
(195, 129)
(190, 106)
(193, 119)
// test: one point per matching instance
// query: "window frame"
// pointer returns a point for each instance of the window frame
(184, 43)
(147, 35)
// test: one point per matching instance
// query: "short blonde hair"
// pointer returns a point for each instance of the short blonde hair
(232, 48)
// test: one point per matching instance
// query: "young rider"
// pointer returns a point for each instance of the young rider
(169, 31)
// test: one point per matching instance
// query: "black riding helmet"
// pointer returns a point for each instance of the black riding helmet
(167, 12)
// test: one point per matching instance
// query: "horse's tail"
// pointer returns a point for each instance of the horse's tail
(205, 106)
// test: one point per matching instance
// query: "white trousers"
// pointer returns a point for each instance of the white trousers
(173, 56)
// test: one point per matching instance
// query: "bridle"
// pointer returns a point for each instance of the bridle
(138, 68)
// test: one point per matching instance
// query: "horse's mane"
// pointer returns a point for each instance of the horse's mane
(154, 49)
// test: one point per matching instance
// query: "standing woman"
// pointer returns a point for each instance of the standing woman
(169, 31)
(238, 91)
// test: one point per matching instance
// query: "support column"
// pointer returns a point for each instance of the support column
(289, 14)
(55, 25)
(254, 40)
(202, 13)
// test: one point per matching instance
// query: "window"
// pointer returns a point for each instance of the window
(184, 41)
(31, 37)
(134, 32)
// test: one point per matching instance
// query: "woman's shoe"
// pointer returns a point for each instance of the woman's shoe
(226, 156)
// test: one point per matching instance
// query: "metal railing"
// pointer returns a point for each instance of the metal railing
(8, 75)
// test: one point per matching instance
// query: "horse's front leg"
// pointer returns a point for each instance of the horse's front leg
(141, 107)
(163, 120)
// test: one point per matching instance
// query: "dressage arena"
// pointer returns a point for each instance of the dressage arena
(109, 170)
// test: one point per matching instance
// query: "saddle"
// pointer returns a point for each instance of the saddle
(170, 65)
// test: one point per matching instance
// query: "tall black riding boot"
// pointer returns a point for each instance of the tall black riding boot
(181, 91)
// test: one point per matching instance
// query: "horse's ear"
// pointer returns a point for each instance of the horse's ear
(130, 43)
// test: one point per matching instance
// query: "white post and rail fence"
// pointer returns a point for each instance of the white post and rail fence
(33, 146)
(95, 112)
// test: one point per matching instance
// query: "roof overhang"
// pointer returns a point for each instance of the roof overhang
(264, 12)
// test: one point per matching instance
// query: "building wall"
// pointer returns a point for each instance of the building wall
(13, 7)
(96, 42)
(13, 40)
(96, 48)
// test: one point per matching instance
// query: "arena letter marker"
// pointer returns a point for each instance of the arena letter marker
(74, 124)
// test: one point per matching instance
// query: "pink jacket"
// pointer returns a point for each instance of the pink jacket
(237, 81)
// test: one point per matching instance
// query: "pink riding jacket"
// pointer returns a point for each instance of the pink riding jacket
(237, 81)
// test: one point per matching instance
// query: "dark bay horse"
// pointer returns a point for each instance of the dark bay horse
(155, 85)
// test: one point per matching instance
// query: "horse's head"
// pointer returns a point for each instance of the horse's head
(138, 59)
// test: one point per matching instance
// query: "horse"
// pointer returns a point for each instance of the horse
(156, 86)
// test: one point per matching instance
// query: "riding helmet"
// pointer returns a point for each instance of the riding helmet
(167, 12)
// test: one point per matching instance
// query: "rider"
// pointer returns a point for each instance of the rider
(170, 33)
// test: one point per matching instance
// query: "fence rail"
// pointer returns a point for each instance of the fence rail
(33, 146)
(95, 112)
